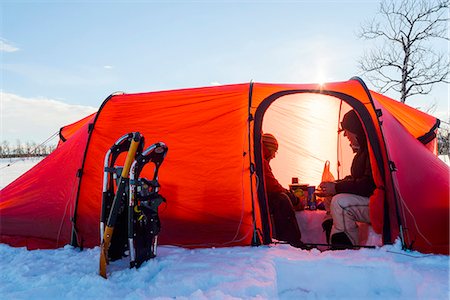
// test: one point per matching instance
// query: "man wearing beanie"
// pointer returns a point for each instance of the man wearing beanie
(350, 201)
(280, 200)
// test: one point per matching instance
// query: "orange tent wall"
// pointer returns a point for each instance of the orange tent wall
(423, 188)
(35, 209)
(421, 125)
(205, 176)
(67, 131)
(414, 121)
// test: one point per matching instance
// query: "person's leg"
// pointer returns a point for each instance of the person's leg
(346, 209)
(327, 223)
(285, 222)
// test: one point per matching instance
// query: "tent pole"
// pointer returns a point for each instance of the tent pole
(255, 239)
(338, 152)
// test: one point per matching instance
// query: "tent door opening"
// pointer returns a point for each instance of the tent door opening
(306, 126)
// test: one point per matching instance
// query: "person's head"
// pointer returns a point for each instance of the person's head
(353, 130)
(270, 146)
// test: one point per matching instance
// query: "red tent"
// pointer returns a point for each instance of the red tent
(212, 176)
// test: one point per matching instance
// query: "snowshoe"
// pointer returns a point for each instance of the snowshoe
(144, 223)
(114, 212)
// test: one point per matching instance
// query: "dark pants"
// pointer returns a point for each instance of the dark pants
(284, 221)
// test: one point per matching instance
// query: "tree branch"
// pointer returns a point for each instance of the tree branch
(406, 61)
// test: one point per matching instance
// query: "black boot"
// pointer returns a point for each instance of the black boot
(297, 244)
(340, 241)
(326, 225)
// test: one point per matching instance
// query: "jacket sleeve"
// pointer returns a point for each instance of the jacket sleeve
(361, 182)
(272, 184)
(363, 186)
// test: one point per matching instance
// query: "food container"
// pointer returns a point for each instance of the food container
(312, 205)
(301, 191)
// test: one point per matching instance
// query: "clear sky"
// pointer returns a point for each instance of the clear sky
(74, 54)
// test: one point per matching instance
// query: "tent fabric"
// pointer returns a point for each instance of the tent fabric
(421, 125)
(423, 196)
(36, 209)
(302, 153)
(417, 123)
(205, 182)
(67, 131)
(214, 196)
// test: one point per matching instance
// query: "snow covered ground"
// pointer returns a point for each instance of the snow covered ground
(267, 272)
(12, 168)
(445, 158)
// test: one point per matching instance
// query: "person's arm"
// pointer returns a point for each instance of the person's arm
(272, 184)
(273, 187)
(362, 184)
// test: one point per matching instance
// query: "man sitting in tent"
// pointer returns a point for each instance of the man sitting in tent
(350, 202)
(281, 201)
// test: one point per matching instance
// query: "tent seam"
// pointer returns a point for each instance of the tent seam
(74, 239)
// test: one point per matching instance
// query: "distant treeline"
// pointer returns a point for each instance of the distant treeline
(27, 149)
(31, 149)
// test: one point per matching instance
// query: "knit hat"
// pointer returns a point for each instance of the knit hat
(270, 142)
(352, 123)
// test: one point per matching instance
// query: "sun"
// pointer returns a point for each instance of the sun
(320, 76)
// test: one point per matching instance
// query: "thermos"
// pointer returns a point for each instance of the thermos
(312, 198)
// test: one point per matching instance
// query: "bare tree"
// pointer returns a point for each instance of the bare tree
(6, 149)
(443, 141)
(28, 149)
(19, 150)
(405, 61)
(51, 148)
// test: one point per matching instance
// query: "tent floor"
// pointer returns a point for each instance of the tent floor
(310, 223)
